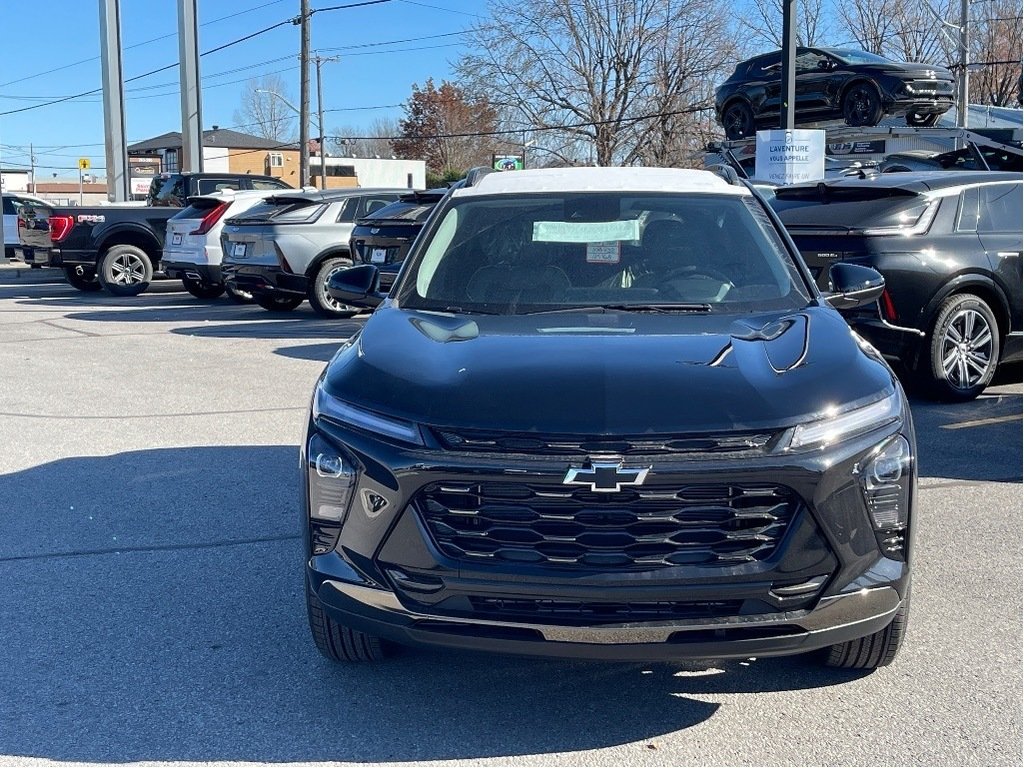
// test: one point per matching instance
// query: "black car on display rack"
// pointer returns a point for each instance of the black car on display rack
(606, 413)
(833, 84)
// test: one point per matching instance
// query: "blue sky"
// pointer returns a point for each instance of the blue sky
(368, 76)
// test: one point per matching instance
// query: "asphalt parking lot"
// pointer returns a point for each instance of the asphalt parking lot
(152, 605)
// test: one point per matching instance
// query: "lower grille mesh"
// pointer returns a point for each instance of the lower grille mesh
(554, 525)
(540, 610)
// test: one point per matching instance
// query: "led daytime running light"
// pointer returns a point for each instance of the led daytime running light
(841, 426)
(333, 409)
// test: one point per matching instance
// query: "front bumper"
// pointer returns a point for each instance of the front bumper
(264, 279)
(388, 576)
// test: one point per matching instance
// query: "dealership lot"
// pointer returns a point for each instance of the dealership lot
(153, 607)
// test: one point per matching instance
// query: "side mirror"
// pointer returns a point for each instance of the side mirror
(853, 285)
(358, 286)
(824, 65)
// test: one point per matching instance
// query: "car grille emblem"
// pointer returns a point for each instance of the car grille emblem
(605, 475)
(375, 231)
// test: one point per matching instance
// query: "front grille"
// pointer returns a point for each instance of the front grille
(554, 445)
(551, 524)
(581, 612)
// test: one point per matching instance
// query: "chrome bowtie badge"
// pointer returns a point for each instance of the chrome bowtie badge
(606, 476)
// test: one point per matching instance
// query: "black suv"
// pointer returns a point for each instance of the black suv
(833, 83)
(949, 245)
(606, 413)
(385, 237)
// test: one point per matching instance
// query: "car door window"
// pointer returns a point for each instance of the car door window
(206, 186)
(263, 184)
(1000, 208)
(810, 62)
(348, 211)
(967, 216)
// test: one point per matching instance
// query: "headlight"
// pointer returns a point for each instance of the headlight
(836, 426)
(331, 478)
(333, 409)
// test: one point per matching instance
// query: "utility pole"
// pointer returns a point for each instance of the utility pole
(113, 100)
(32, 166)
(320, 117)
(961, 109)
(191, 96)
(304, 96)
(788, 116)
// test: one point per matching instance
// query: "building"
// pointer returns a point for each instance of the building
(15, 179)
(370, 172)
(65, 193)
(228, 151)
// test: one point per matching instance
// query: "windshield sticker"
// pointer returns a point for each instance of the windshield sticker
(603, 253)
(585, 231)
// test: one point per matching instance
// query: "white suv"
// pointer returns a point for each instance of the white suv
(192, 250)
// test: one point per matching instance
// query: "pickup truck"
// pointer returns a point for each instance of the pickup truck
(119, 247)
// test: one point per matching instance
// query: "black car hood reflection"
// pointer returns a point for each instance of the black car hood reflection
(607, 373)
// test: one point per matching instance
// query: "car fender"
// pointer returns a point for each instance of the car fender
(109, 236)
(963, 283)
(328, 253)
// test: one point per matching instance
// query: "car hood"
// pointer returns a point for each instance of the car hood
(608, 373)
(916, 69)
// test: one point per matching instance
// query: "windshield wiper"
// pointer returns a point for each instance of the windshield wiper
(665, 309)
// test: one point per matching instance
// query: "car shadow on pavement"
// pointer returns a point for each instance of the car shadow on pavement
(153, 611)
(975, 441)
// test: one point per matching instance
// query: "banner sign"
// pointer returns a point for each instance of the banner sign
(790, 157)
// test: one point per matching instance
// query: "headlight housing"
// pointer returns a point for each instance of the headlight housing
(331, 408)
(835, 426)
(331, 478)
(886, 476)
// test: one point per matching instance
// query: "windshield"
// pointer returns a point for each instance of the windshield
(510, 255)
(848, 56)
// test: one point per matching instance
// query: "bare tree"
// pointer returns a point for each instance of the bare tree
(996, 51)
(374, 141)
(264, 114)
(904, 30)
(595, 75)
(763, 24)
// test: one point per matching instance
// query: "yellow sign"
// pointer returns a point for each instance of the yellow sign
(84, 164)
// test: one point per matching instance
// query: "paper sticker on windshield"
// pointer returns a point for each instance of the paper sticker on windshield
(603, 253)
(585, 231)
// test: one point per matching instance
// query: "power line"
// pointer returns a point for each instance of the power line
(137, 45)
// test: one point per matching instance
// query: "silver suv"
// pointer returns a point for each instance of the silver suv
(285, 249)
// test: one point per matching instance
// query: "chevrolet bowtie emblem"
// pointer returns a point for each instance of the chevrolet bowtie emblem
(605, 476)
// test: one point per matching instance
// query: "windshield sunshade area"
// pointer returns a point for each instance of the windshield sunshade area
(502, 255)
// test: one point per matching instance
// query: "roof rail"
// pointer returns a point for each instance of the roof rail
(725, 172)
(473, 175)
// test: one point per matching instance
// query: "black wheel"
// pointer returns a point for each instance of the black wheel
(338, 642)
(202, 290)
(962, 350)
(279, 303)
(321, 301)
(738, 120)
(917, 120)
(125, 270)
(83, 278)
(862, 105)
(873, 651)
(237, 295)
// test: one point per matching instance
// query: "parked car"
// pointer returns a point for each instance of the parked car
(971, 158)
(192, 249)
(833, 83)
(12, 205)
(120, 247)
(606, 413)
(949, 245)
(284, 249)
(384, 237)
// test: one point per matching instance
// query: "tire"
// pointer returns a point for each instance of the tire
(237, 295)
(338, 642)
(125, 270)
(279, 303)
(954, 368)
(202, 290)
(862, 106)
(916, 120)
(83, 278)
(738, 120)
(874, 651)
(319, 299)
